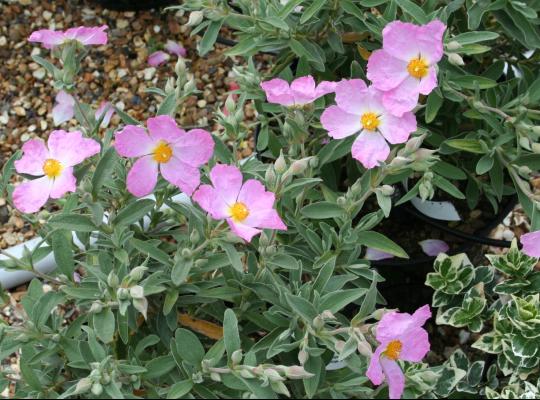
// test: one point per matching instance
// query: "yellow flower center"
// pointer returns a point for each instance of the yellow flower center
(239, 212)
(162, 152)
(370, 121)
(52, 168)
(393, 350)
(418, 68)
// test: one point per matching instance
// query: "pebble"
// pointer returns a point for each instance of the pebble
(149, 73)
(508, 234)
(201, 103)
(122, 23)
(4, 118)
(3, 41)
(39, 73)
(20, 111)
(47, 15)
(121, 72)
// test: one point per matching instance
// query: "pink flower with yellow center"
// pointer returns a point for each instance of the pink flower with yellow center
(300, 92)
(401, 337)
(53, 164)
(360, 109)
(166, 148)
(247, 206)
(82, 34)
(406, 65)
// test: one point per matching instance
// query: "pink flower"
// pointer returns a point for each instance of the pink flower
(175, 48)
(401, 337)
(433, 247)
(361, 109)
(157, 58)
(177, 154)
(105, 110)
(84, 35)
(531, 243)
(300, 92)
(64, 109)
(406, 65)
(53, 164)
(247, 207)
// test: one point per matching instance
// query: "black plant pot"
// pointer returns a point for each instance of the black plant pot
(134, 5)
(404, 285)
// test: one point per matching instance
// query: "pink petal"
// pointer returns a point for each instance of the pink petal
(278, 91)
(180, 174)
(64, 108)
(94, 35)
(157, 58)
(164, 128)
(267, 219)
(351, 96)
(421, 315)
(370, 149)
(407, 41)
(397, 129)
(34, 155)
(243, 231)
(47, 37)
(340, 123)
(30, 196)
(195, 147)
(66, 182)
(142, 177)
(71, 148)
(260, 204)
(386, 72)
(428, 83)
(206, 197)
(376, 255)
(392, 325)
(415, 344)
(394, 376)
(133, 141)
(531, 243)
(227, 181)
(175, 48)
(324, 88)
(433, 247)
(403, 98)
(374, 372)
(105, 110)
(303, 90)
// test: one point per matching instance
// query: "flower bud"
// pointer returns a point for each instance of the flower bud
(414, 143)
(112, 280)
(364, 349)
(536, 148)
(356, 188)
(83, 386)
(273, 375)
(133, 378)
(280, 165)
(523, 170)
(297, 372)
(230, 105)
(270, 176)
(136, 292)
(137, 273)
(455, 59)
(341, 201)
(299, 166)
(453, 45)
(318, 323)
(400, 161)
(187, 254)
(169, 86)
(244, 373)
(195, 18)
(387, 190)
(194, 236)
(122, 293)
(314, 162)
(303, 356)
(96, 308)
(236, 357)
(190, 86)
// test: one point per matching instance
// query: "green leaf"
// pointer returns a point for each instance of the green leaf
(180, 270)
(126, 118)
(234, 256)
(209, 37)
(151, 250)
(160, 366)
(73, 222)
(63, 253)
(231, 336)
(189, 347)
(312, 10)
(350, 8)
(134, 212)
(180, 389)
(470, 145)
(448, 187)
(485, 163)
(335, 301)
(434, 103)
(103, 171)
(276, 22)
(104, 325)
(475, 37)
(471, 82)
(380, 242)
(168, 107)
(413, 10)
(301, 306)
(323, 210)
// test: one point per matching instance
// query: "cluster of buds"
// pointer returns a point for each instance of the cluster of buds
(426, 189)
(282, 172)
(413, 156)
(101, 375)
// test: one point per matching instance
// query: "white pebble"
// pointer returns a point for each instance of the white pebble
(149, 73)
(39, 73)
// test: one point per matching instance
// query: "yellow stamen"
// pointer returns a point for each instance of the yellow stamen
(239, 212)
(162, 152)
(393, 350)
(52, 168)
(418, 68)
(370, 121)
